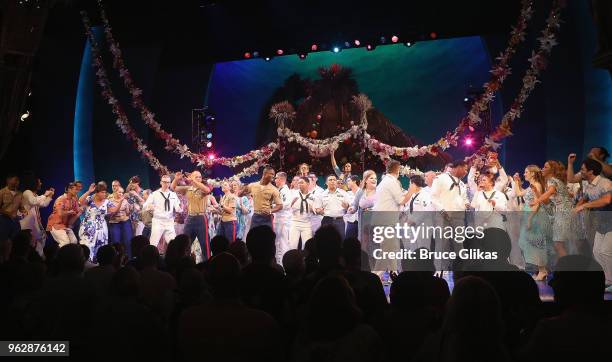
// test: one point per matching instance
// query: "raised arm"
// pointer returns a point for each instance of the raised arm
(571, 176)
(337, 170)
(83, 198)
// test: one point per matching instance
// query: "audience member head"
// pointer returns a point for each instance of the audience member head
(138, 243)
(332, 310)
(407, 292)
(419, 264)
(149, 257)
(50, 250)
(125, 283)
(106, 255)
(474, 312)
(578, 280)
(224, 276)
(261, 244)
(219, 244)
(21, 245)
(70, 259)
(6, 246)
(498, 241)
(178, 248)
(293, 263)
(352, 253)
(329, 246)
(239, 250)
(86, 251)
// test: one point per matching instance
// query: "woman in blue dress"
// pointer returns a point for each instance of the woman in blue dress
(93, 231)
(535, 234)
(243, 209)
(566, 226)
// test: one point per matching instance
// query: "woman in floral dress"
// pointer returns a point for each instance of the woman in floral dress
(566, 226)
(93, 231)
(535, 235)
(243, 208)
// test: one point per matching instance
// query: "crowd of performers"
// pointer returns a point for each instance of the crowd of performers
(556, 204)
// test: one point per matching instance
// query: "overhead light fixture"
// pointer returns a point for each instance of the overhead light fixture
(336, 49)
(394, 39)
(25, 115)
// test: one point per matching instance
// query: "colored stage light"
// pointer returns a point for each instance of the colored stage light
(247, 55)
(369, 47)
(314, 47)
(394, 39)
(267, 59)
(357, 42)
(408, 44)
(279, 52)
(336, 49)
(383, 40)
(468, 141)
(209, 135)
(302, 56)
(211, 156)
(209, 144)
(433, 35)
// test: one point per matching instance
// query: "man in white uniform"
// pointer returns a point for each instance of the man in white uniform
(302, 206)
(449, 197)
(489, 204)
(389, 199)
(282, 218)
(418, 212)
(332, 204)
(164, 203)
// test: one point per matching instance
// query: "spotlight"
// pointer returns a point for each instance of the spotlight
(267, 59)
(468, 141)
(433, 35)
(255, 54)
(279, 52)
(347, 44)
(408, 44)
(209, 135)
(336, 49)
(383, 40)
(394, 39)
(25, 115)
(302, 56)
(466, 99)
(357, 42)
(314, 47)
(209, 144)
(247, 55)
(369, 47)
(211, 156)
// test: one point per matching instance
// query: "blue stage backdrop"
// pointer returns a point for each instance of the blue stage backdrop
(419, 88)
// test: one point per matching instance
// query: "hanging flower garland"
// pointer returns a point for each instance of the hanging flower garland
(284, 111)
(172, 144)
(499, 72)
(538, 63)
(122, 120)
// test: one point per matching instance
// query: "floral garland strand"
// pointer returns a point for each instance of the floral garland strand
(284, 111)
(499, 72)
(172, 144)
(538, 63)
(122, 120)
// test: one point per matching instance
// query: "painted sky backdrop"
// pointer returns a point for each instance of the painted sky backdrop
(419, 88)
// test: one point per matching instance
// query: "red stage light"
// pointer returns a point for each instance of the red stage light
(394, 39)
(211, 156)
(468, 141)
(357, 42)
(279, 52)
(247, 55)
(314, 47)
(433, 35)
(369, 47)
